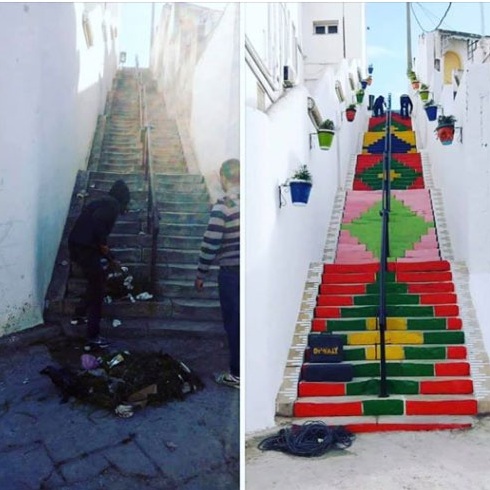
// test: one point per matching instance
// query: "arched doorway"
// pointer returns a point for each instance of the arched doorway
(452, 61)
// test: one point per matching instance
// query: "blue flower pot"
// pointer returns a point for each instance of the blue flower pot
(363, 84)
(300, 192)
(431, 112)
(370, 70)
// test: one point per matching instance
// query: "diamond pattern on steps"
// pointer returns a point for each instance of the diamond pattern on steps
(429, 374)
(398, 123)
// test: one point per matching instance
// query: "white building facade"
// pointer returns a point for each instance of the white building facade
(282, 240)
(53, 84)
(456, 66)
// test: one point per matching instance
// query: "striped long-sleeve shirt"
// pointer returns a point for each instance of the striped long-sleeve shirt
(221, 241)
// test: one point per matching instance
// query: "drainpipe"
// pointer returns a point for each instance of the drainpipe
(409, 40)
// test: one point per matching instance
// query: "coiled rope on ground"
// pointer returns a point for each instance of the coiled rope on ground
(310, 439)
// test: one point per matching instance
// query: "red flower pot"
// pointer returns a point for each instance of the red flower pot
(350, 114)
(445, 134)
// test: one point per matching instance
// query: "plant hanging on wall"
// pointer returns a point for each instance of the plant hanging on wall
(300, 185)
(326, 132)
(350, 112)
(445, 129)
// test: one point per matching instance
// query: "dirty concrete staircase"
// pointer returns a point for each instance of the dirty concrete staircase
(183, 202)
(429, 383)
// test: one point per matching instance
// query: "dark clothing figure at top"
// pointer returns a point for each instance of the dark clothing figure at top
(87, 244)
(379, 106)
(406, 106)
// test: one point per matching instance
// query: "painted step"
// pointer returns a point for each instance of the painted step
(391, 299)
(319, 371)
(391, 287)
(398, 337)
(393, 405)
(402, 324)
(399, 386)
(403, 352)
(392, 423)
(391, 310)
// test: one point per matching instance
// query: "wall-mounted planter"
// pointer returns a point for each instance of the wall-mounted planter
(300, 192)
(370, 69)
(364, 84)
(325, 138)
(350, 114)
(445, 133)
(359, 98)
(431, 112)
(424, 95)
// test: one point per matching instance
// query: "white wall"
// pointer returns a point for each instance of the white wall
(329, 48)
(51, 90)
(281, 243)
(215, 117)
(195, 59)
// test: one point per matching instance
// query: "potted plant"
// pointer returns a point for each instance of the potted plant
(412, 76)
(431, 110)
(360, 96)
(300, 185)
(370, 69)
(424, 92)
(369, 80)
(326, 132)
(445, 129)
(364, 84)
(350, 112)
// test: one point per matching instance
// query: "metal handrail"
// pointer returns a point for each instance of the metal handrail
(152, 213)
(383, 265)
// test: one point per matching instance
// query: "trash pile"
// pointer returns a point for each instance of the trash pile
(122, 285)
(123, 382)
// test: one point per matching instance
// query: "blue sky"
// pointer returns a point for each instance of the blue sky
(387, 36)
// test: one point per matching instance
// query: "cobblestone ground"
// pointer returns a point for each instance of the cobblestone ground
(190, 445)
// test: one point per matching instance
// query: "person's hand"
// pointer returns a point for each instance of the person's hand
(199, 284)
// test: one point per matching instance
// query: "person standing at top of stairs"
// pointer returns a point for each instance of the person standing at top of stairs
(87, 244)
(406, 106)
(221, 242)
(379, 106)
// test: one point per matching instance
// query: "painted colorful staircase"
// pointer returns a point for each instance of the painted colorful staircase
(428, 373)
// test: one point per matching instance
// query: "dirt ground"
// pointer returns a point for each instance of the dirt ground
(439, 460)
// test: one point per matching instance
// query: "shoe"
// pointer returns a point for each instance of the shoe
(228, 379)
(78, 320)
(98, 341)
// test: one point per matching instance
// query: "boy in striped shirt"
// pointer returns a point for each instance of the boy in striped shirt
(221, 243)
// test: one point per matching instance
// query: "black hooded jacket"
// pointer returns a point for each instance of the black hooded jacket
(97, 218)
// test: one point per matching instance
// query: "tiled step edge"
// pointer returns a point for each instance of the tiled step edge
(477, 355)
(289, 388)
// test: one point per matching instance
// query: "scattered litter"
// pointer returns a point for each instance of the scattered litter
(124, 411)
(131, 298)
(142, 233)
(124, 269)
(115, 361)
(116, 323)
(108, 300)
(92, 186)
(82, 194)
(171, 445)
(89, 362)
(144, 296)
(26, 381)
(64, 262)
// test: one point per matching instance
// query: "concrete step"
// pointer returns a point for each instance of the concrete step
(175, 196)
(185, 207)
(185, 289)
(174, 256)
(183, 230)
(167, 217)
(175, 242)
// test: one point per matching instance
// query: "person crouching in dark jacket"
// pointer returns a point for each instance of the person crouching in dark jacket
(87, 244)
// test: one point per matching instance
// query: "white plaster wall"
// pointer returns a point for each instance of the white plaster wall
(329, 48)
(46, 127)
(195, 59)
(281, 243)
(215, 116)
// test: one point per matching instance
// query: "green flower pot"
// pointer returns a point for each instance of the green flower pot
(359, 98)
(424, 95)
(325, 138)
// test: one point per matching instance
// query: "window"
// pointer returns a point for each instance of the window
(325, 27)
